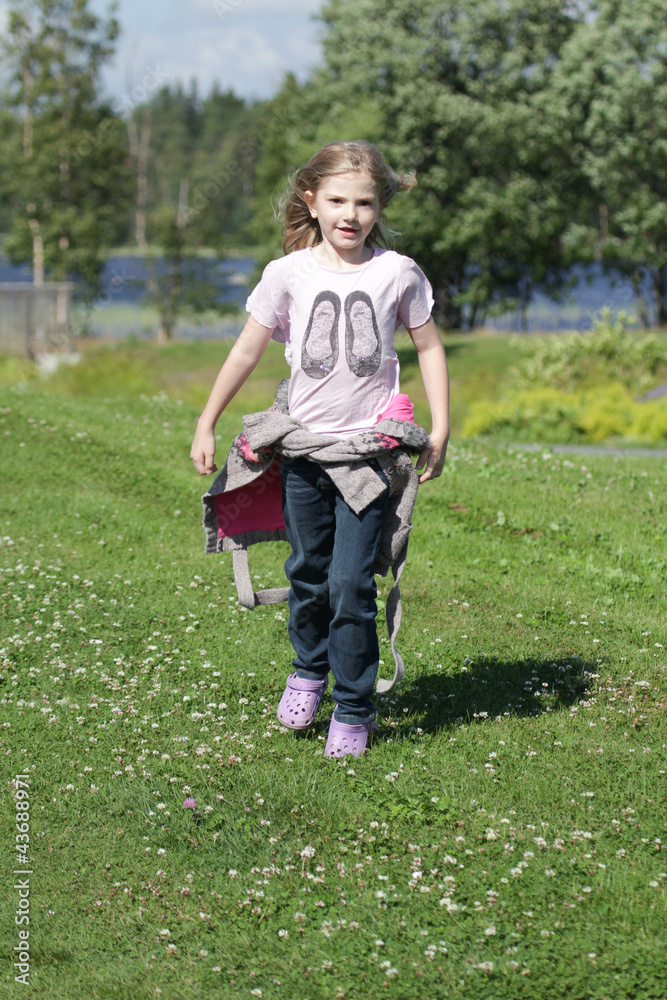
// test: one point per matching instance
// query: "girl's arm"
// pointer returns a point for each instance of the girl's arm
(433, 367)
(241, 360)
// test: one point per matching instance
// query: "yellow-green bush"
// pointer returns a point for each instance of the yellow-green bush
(564, 417)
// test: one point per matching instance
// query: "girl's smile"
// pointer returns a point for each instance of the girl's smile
(346, 207)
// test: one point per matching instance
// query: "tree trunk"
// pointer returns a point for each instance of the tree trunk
(636, 280)
(660, 291)
(160, 292)
(140, 149)
(182, 216)
(27, 121)
(446, 310)
(526, 297)
(39, 339)
(163, 333)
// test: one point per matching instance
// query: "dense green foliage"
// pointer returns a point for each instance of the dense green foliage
(531, 128)
(534, 130)
(610, 97)
(193, 162)
(593, 386)
(77, 176)
(63, 166)
(208, 142)
(504, 836)
(609, 353)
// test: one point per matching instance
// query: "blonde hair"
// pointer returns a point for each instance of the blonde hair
(300, 229)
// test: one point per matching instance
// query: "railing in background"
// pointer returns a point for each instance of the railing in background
(35, 319)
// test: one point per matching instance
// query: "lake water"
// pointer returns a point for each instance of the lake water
(124, 283)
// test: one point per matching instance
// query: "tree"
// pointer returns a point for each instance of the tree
(462, 94)
(613, 77)
(70, 178)
(10, 147)
(188, 158)
(207, 142)
(464, 91)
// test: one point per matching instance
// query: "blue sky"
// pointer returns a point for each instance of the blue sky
(247, 45)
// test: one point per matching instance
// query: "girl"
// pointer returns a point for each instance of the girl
(335, 300)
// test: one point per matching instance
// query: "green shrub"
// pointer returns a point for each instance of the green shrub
(540, 414)
(569, 417)
(607, 353)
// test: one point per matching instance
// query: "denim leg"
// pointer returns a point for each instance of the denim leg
(332, 593)
(353, 642)
(308, 510)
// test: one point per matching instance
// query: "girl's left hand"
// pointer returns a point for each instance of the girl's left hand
(433, 458)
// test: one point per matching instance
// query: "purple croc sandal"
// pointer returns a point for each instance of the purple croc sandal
(300, 701)
(347, 739)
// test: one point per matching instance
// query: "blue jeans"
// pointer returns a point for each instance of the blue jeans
(332, 586)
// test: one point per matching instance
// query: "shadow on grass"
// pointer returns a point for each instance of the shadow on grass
(488, 688)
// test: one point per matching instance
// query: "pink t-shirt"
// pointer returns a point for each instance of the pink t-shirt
(338, 330)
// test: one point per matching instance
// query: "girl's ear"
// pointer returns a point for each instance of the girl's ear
(309, 198)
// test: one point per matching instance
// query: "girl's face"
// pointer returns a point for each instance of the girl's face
(346, 207)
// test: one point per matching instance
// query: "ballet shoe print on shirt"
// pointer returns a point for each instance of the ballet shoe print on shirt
(319, 352)
(363, 349)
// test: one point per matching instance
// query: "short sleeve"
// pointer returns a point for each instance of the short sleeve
(268, 302)
(416, 302)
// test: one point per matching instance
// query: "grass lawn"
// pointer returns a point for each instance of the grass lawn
(504, 836)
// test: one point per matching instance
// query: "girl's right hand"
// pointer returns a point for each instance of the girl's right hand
(202, 452)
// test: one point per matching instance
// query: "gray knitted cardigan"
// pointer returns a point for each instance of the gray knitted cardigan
(242, 506)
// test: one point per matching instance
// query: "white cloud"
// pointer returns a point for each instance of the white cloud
(253, 7)
(247, 45)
